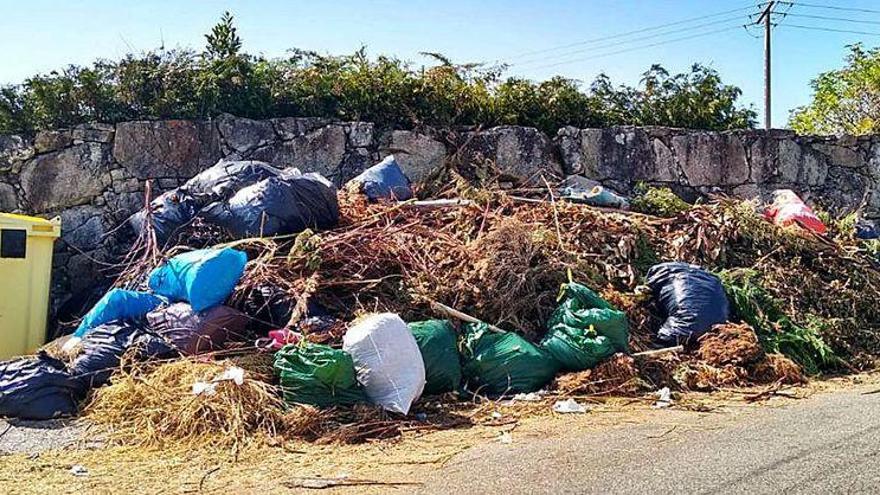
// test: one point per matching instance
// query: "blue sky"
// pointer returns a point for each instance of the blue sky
(41, 35)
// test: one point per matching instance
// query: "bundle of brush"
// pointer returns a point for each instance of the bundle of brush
(776, 368)
(618, 375)
(730, 355)
(703, 377)
(187, 402)
(502, 260)
(730, 343)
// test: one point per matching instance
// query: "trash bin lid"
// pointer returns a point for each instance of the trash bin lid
(34, 225)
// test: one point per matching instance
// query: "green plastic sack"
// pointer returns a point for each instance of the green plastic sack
(503, 362)
(437, 342)
(585, 329)
(318, 375)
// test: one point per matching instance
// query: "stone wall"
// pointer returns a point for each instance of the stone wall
(93, 176)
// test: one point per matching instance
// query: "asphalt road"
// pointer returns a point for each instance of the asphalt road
(824, 444)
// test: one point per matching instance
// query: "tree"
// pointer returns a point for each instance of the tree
(845, 101)
(223, 40)
(694, 100)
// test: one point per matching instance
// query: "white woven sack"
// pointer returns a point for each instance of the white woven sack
(387, 359)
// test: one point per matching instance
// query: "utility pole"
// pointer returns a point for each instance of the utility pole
(765, 17)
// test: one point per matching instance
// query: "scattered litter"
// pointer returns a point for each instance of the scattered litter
(789, 209)
(505, 437)
(79, 470)
(496, 415)
(664, 398)
(569, 406)
(596, 196)
(232, 374)
(529, 397)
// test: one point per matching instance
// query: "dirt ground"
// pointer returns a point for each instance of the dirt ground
(373, 467)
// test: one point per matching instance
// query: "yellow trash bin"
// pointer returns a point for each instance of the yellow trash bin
(25, 275)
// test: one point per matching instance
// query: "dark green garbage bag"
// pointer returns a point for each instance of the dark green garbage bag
(318, 375)
(584, 329)
(503, 362)
(437, 343)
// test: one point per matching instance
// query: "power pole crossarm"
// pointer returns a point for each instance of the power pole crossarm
(766, 18)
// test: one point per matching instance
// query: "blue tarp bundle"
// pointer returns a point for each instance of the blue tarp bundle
(203, 278)
(385, 180)
(117, 304)
(692, 299)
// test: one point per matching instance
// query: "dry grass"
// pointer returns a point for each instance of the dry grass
(154, 406)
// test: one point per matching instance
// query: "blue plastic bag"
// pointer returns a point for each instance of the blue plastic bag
(598, 196)
(385, 180)
(866, 231)
(117, 304)
(203, 278)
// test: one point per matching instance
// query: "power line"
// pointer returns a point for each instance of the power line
(628, 33)
(833, 7)
(651, 45)
(624, 42)
(839, 19)
(832, 30)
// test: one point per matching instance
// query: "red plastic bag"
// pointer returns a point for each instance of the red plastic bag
(788, 209)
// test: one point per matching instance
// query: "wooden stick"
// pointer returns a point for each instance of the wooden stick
(440, 203)
(461, 316)
(659, 352)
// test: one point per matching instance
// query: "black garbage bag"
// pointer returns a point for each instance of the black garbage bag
(170, 212)
(196, 332)
(104, 346)
(226, 178)
(38, 387)
(384, 180)
(269, 308)
(692, 299)
(287, 204)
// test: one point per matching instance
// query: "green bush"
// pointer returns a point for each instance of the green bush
(777, 331)
(393, 93)
(660, 201)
